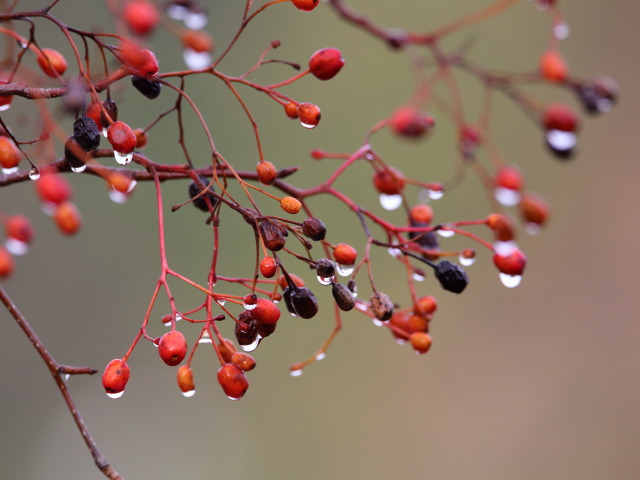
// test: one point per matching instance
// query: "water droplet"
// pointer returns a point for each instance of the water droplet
(233, 398)
(167, 324)
(321, 356)
(177, 12)
(344, 270)
(504, 249)
(248, 306)
(394, 252)
(532, 228)
(418, 277)
(66, 377)
(205, 338)
(196, 20)
(510, 281)
(79, 169)
(196, 60)
(104, 132)
(507, 196)
(48, 208)
(221, 302)
(466, 262)
(16, 247)
(561, 31)
(34, 173)
(252, 346)
(4, 108)
(118, 197)
(390, 202)
(178, 317)
(115, 395)
(369, 156)
(122, 158)
(308, 125)
(325, 280)
(445, 232)
(362, 306)
(9, 171)
(561, 141)
(23, 44)
(296, 373)
(435, 194)
(189, 393)
(401, 341)
(377, 323)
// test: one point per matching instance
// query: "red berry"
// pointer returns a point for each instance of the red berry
(345, 254)
(502, 226)
(512, 263)
(115, 376)
(172, 348)
(509, 177)
(425, 306)
(326, 63)
(10, 154)
(534, 209)
(408, 121)
(53, 188)
(420, 341)
(185, 379)
(553, 66)
(268, 267)
(267, 172)
(6, 263)
(226, 349)
(141, 16)
(291, 109)
(67, 218)
(18, 227)
(306, 5)
(421, 214)
(469, 137)
(121, 137)
(560, 117)
(233, 381)
(52, 62)
(5, 101)
(265, 311)
(389, 181)
(309, 114)
(245, 361)
(141, 62)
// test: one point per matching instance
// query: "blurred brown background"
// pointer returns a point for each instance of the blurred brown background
(536, 382)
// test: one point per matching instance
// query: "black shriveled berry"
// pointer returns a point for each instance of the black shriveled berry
(381, 306)
(111, 108)
(86, 133)
(343, 297)
(451, 276)
(286, 295)
(314, 228)
(148, 88)
(200, 201)
(304, 302)
(273, 235)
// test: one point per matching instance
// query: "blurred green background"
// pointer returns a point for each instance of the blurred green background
(536, 382)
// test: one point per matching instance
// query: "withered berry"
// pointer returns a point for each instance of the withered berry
(451, 276)
(314, 229)
(381, 306)
(343, 297)
(86, 133)
(148, 88)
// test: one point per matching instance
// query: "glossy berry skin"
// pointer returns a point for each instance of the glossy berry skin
(268, 267)
(6, 263)
(121, 137)
(420, 341)
(511, 264)
(245, 361)
(265, 311)
(425, 306)
(185, 379)
(141, 16)
(345, 254)
(172, 348)
(53, 188)
(389, 181)
(141, 62)
(553, 66)
(9, 153)
(560, 117)
(306, 5)
(326, 63)
(52, 62)
(67, 218)
(309, 114)
(115, 376)
(291, 110)
(18, 227)
(233, 381)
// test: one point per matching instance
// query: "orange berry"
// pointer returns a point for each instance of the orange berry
(185, 379)
(290, 205)
(268, 267)
(197, 40)
(121, 137)
(53, 188)
(421, 214)
(420, 341)
(408, 121)
(345, 254)
(553, 66)
(141, 138)
(120, 182)
(245, 361)
(233, 381)
(227, 349)
(52, 62)
(10, 154)
(291, 109)
(19, 228)
(282, 281)
(425, 305)
(309, 114)
(67, 218)
(534, 209)
(267, 172)
(512, 263)
(141, 62)
(389, 181)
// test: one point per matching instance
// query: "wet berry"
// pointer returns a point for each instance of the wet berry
(268, 267)
(422, 214)
(599, 94)
(172, 348)
(389, 181)
(86, 133)
(309, 114)
(304, 302)
(233, 381)
(425, 306)
(291, 110)
(512, 263)
(245, 361)
(6, 263)
(141, 16)
(185, 379)
(534, 209)
(265, 311)
(314, 229)
(121, 137)
(560, 117)
(141, 62)
(197, 40)
(343, 297)
(325, 268)
(326, 63)
(306, 5)
(115, 376)
(18, 227)
(53, 188)
(345, 254)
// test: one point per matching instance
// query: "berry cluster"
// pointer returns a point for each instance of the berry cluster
(289, 238)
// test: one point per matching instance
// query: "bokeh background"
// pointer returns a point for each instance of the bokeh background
(536, 382)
